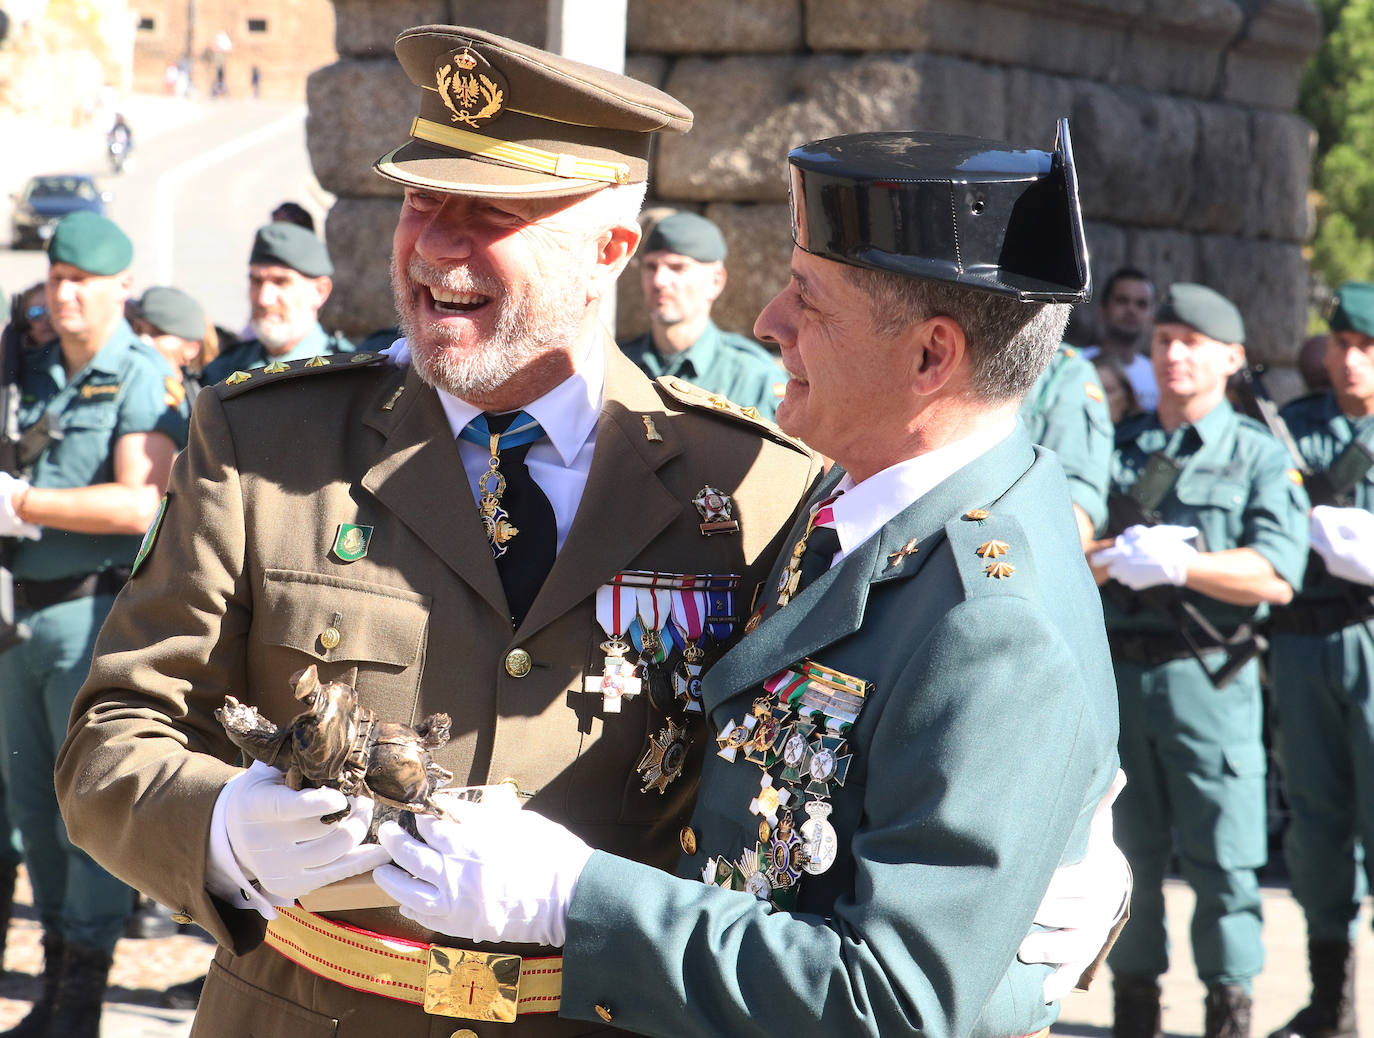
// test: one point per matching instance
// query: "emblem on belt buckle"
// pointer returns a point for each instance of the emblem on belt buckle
(472, 985)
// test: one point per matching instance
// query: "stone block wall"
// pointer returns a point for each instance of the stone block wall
(1191, 162)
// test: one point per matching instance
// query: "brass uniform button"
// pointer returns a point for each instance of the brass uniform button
(464, 1033)
(518, 663)
(330, 637)
(688, 839)
(182, 918)
(603, 1012)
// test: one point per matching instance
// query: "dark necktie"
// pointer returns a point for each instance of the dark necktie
(524, 560)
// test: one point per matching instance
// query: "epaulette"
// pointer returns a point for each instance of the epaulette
(279, 371)
(990, 552)
(675, 390)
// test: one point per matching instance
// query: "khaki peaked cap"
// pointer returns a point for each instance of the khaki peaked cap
(502, 118)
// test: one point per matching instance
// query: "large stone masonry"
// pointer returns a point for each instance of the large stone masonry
(1191, 162)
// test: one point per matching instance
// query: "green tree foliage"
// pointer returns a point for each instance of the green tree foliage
(1338, 98)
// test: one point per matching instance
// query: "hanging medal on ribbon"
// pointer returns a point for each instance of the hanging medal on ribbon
(652, 606)
(495, 519)
(689, 618)
(616, 610)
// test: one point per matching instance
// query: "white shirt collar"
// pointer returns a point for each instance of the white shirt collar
(866, 507)
(567, 413)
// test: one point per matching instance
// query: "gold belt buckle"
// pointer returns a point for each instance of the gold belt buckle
(472, 985)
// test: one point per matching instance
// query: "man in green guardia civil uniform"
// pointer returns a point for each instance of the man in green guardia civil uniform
(682, 273)
(922, 724)
(1230, 533)
(101, 420)
(290, 276)
(1066, 411)
(1322, 669)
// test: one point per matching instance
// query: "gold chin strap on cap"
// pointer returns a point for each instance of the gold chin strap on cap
(536, 159)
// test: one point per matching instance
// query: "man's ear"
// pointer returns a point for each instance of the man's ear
(614, 248)
(937, 347)
(323, 286)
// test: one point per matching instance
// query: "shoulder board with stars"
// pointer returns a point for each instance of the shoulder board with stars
(240, 382)
(676, 391)
(990, 551)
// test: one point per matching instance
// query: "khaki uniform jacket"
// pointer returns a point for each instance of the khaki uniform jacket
(241, 581)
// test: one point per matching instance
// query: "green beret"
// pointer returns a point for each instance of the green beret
(504, 119)
(1354, 308)
(287, 245)
(1204, 310)
(687, 234)
(172, 312)
(91, 242)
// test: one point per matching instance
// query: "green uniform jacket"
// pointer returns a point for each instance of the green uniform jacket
(242, 581)
(734, 366)
(1322, 432)
(1066, 411)
(251, 354)
(977, 764)
(126, 388)
(1237, 486)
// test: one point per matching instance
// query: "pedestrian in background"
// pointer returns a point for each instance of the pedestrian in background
(1124, 319)
(104, 421)
(1229, 538)
(1322, 670)
(289, 279)
(682, 273)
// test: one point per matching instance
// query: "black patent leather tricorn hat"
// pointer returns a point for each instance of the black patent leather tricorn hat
(967, 210)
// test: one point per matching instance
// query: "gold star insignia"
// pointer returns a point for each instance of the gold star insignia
(993, 549)
(275, 368)
(237, 377)
(317, 362)
(664, 759)
(999, 570)
(976, 514)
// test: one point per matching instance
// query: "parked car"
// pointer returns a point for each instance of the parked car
(46, 199)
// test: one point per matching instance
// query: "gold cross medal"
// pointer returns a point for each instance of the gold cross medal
(688, 615)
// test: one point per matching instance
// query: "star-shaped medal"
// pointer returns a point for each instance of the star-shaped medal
(665, 757)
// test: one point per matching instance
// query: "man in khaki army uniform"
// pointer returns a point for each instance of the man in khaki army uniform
(328, 514)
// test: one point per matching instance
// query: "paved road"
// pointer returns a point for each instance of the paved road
(205, 176)
(144, 969)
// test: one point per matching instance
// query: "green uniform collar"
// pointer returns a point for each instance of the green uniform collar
(108, 360)
(693, 361)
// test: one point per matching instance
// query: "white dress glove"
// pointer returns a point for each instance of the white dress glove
(492, 874)
(269, 844)
(1344, 538)
(10, 523)
(1084, 901)
(1147, 556)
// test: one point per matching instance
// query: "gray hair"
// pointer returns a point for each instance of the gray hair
(1009, 342)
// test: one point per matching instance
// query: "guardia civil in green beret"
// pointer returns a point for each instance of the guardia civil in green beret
(1322, 686)
(101, 419)
(682, 273)
(1208, 532)
(290, 276)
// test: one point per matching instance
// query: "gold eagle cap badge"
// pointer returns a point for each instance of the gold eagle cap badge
(471, 89)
